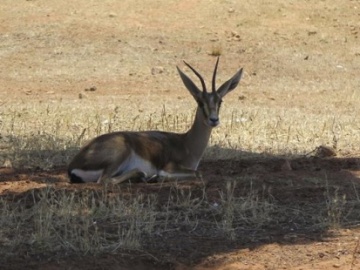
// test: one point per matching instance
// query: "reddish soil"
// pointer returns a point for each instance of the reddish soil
(284, 246)
(295, 54)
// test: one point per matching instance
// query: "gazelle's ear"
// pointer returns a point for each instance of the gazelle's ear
(193, 89)
(230, 84)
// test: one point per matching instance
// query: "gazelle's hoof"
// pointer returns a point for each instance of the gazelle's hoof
(198, 175)
(151, 179)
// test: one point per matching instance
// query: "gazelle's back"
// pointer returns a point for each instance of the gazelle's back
(150, 150)
(120, 156)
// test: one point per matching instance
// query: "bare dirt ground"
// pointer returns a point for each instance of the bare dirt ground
(302, 64)
(287, 245)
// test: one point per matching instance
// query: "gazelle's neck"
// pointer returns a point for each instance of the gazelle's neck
(197, 139)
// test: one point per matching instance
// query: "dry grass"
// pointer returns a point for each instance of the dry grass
(49, 220)
(62, 222)
(46, 136)
(300, 90)
(52, 221)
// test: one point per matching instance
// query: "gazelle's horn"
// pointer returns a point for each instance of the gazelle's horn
(214, 75)
(198, 75)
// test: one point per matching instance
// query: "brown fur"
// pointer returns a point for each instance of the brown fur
(166, 153)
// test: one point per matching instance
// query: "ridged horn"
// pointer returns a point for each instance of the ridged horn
(198, 75)
(214, 75)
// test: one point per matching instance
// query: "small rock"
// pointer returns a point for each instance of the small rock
(286, 166)
(82, 95)
(157, 70)
(231, 10)
(7, 164)
(215, 51)
(325, 151)
(91, 89)
(235, 34)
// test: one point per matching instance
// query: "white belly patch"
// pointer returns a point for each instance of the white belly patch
(87, 176)
(134, 161)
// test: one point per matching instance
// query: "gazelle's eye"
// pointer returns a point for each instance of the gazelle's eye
(201, 105)
(206, 111)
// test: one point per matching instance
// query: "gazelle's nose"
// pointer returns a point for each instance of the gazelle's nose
(214, 121)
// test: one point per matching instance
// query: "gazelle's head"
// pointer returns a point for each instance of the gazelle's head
(210, 102)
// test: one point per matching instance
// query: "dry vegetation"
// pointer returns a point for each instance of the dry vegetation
(70, 71)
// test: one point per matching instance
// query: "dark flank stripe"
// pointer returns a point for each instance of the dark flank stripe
(75, 179)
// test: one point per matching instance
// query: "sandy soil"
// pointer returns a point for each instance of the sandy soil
(53, 50)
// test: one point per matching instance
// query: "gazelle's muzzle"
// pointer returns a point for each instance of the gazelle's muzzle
(213, 119)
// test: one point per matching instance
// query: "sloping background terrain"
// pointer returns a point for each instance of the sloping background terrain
(271, 197)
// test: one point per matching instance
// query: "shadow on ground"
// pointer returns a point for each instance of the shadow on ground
(283, 200)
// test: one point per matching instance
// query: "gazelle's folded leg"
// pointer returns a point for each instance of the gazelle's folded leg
(134, 173)
(179, 173)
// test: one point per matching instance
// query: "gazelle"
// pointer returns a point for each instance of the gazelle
(119, 156)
